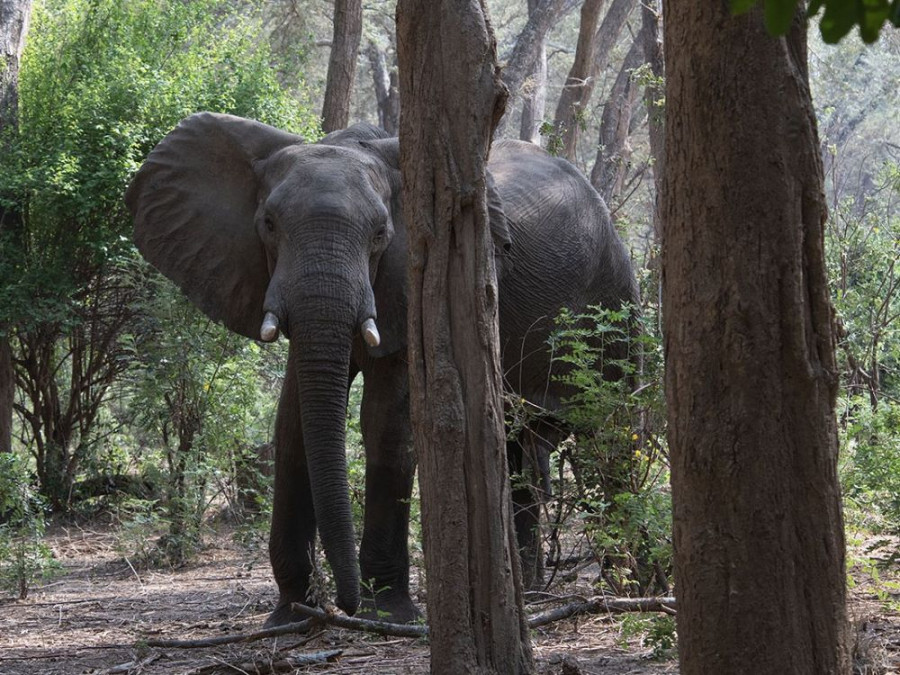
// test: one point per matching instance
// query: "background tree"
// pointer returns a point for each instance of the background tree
(14, 17)
(750, 368)
(452, 100)
(342, 64)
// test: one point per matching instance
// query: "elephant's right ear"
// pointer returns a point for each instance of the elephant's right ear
(194, 201)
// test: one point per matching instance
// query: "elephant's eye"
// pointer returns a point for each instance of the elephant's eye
(379, 236)
(270, 224)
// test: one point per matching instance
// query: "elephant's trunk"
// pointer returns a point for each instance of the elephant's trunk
(322, 329)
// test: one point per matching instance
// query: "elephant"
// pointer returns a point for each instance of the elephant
(269, 234)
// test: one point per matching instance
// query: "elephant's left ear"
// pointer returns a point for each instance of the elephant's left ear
(194, 202)
(500, 231)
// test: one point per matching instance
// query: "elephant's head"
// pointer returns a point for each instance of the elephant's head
(265, 233)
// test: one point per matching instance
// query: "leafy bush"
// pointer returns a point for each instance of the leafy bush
(612, 473)
(24, 556)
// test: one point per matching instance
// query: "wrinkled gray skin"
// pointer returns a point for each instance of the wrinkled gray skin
(248, 219)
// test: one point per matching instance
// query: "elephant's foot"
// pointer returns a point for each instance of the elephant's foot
(388, 605)
(283, 615)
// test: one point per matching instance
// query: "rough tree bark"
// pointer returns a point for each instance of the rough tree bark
(342, 64)
(534, 99)
(452, 99)
(613, 151)
(751, 378)
(14, 15)
(571, 99)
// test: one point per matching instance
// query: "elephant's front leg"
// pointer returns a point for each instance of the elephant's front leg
(390, 466)
(293, 530)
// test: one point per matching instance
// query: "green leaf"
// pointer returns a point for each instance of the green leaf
(779, 15)
(838, 20)
(742, 6)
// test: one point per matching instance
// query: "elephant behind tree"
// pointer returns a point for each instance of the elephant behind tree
(266, 233)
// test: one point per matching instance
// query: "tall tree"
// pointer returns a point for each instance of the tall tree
(534, 98)
(750, 367)
(14, 16)
(613, 150)
(529, 43)
(591, 58)
(386, 95)
(653, 99)
(342, 64)
(571, 100)
(452, 100)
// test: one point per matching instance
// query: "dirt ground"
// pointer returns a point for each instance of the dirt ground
(91, 618)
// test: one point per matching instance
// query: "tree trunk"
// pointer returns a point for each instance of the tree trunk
(613, 152)
(528, 46)
(654, 97)
(342, 64)
(535, 97)
(386, 96)
(565, 122)
(14, 16)
(750, 368)
(452, 99)
(571, 100)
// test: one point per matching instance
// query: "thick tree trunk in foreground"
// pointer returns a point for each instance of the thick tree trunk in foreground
(452, 99)
(14, 15)
(750, 369)
(342, 64)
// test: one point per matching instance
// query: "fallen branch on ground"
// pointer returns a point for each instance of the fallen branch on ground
(380, 627)
(287, 629)
(602, 605)
(598, 605)
(285, 664)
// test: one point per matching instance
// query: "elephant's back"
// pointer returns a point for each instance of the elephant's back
(565, 253)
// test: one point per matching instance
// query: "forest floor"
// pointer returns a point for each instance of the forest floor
(93, 617)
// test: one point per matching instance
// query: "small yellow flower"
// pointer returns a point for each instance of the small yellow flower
(637, 453)
(634, 437)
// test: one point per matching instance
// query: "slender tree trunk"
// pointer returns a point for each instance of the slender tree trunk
(571, 100)
(452, 99)
(14, 16)
(342, 64)
(654, 96)
(614, 152)
(529, 44)
(386, 96)
(751, 378)
(535, 96)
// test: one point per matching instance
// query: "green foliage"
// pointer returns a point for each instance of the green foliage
(838, 19)
(24, 556)
(101, 82)
(616, 458)
(195, 391)
(655, 631)
(870, 463)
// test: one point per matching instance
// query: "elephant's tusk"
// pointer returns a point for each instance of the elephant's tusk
(269, 330)
(370, 333)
